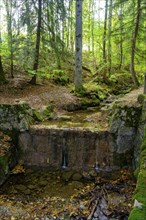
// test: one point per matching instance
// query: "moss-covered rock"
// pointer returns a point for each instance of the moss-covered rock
(126, 137)
(15, 117)
(141, 98)
(139, 212)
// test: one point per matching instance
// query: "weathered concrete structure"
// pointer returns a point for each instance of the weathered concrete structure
(77, 148)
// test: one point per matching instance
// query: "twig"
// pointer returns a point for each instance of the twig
(93, 210)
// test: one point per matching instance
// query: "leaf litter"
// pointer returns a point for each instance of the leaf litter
(39, 195)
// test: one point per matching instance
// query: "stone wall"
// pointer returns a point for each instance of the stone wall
(13, 119)
(74, 148)
(83, 148)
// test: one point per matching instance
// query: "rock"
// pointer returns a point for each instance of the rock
(124, 125)
(21, 188)
(66, 175)
(77, 177)
(95, 214)
(16, 116)
(77, 184)
(64, 118)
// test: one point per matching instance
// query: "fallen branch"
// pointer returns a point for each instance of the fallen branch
(93, 210)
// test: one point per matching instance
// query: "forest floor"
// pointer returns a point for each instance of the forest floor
(19, 90)
(28, 200)
(39, 96)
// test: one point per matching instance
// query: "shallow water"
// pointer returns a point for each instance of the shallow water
(43, 194)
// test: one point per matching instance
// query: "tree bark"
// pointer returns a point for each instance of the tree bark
(121, 34)
(105, 32)
(109, 38)
(37, 48)
(133, 47)
(78, 48)
(2, 75)
(8, 5)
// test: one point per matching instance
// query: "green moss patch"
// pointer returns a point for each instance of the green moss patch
(140, 193)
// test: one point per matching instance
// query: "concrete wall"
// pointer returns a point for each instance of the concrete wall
(80, 148)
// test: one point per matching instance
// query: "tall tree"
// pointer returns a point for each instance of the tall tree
(9, 8)
(38, 37)
(105, 32)
(2, 75)
(78, 46)
(121, 33)
(134, 40)
(109, 37)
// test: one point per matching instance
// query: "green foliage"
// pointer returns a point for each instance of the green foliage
(57, 38)
(47, 113)
(121, 82)
(59, 77)
(91, 94)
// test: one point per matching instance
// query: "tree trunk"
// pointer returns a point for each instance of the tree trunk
(134, 39)
(105, 32)
(78, 48)
(2, 75)
(109, 38)
(36, 60)
(92, 27)
(121, 35)
(8, 5)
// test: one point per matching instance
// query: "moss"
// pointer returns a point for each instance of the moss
(141, 98)
(37, 115)
(140, 191)
(88, 102)
(60, 77)
(137, 214)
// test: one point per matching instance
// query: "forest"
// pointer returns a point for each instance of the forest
(38, 38)
(72, 109)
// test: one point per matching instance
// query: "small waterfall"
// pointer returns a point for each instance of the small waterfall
(96, 156)
(64, 164)
(64, 156)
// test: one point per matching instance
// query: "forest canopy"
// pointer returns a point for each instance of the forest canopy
(38, 37)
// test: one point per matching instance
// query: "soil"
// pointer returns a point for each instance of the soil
(19, 89)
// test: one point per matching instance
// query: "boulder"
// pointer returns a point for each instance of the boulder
(15, 117)
(125, 133)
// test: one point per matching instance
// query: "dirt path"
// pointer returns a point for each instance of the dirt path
(131, 98)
